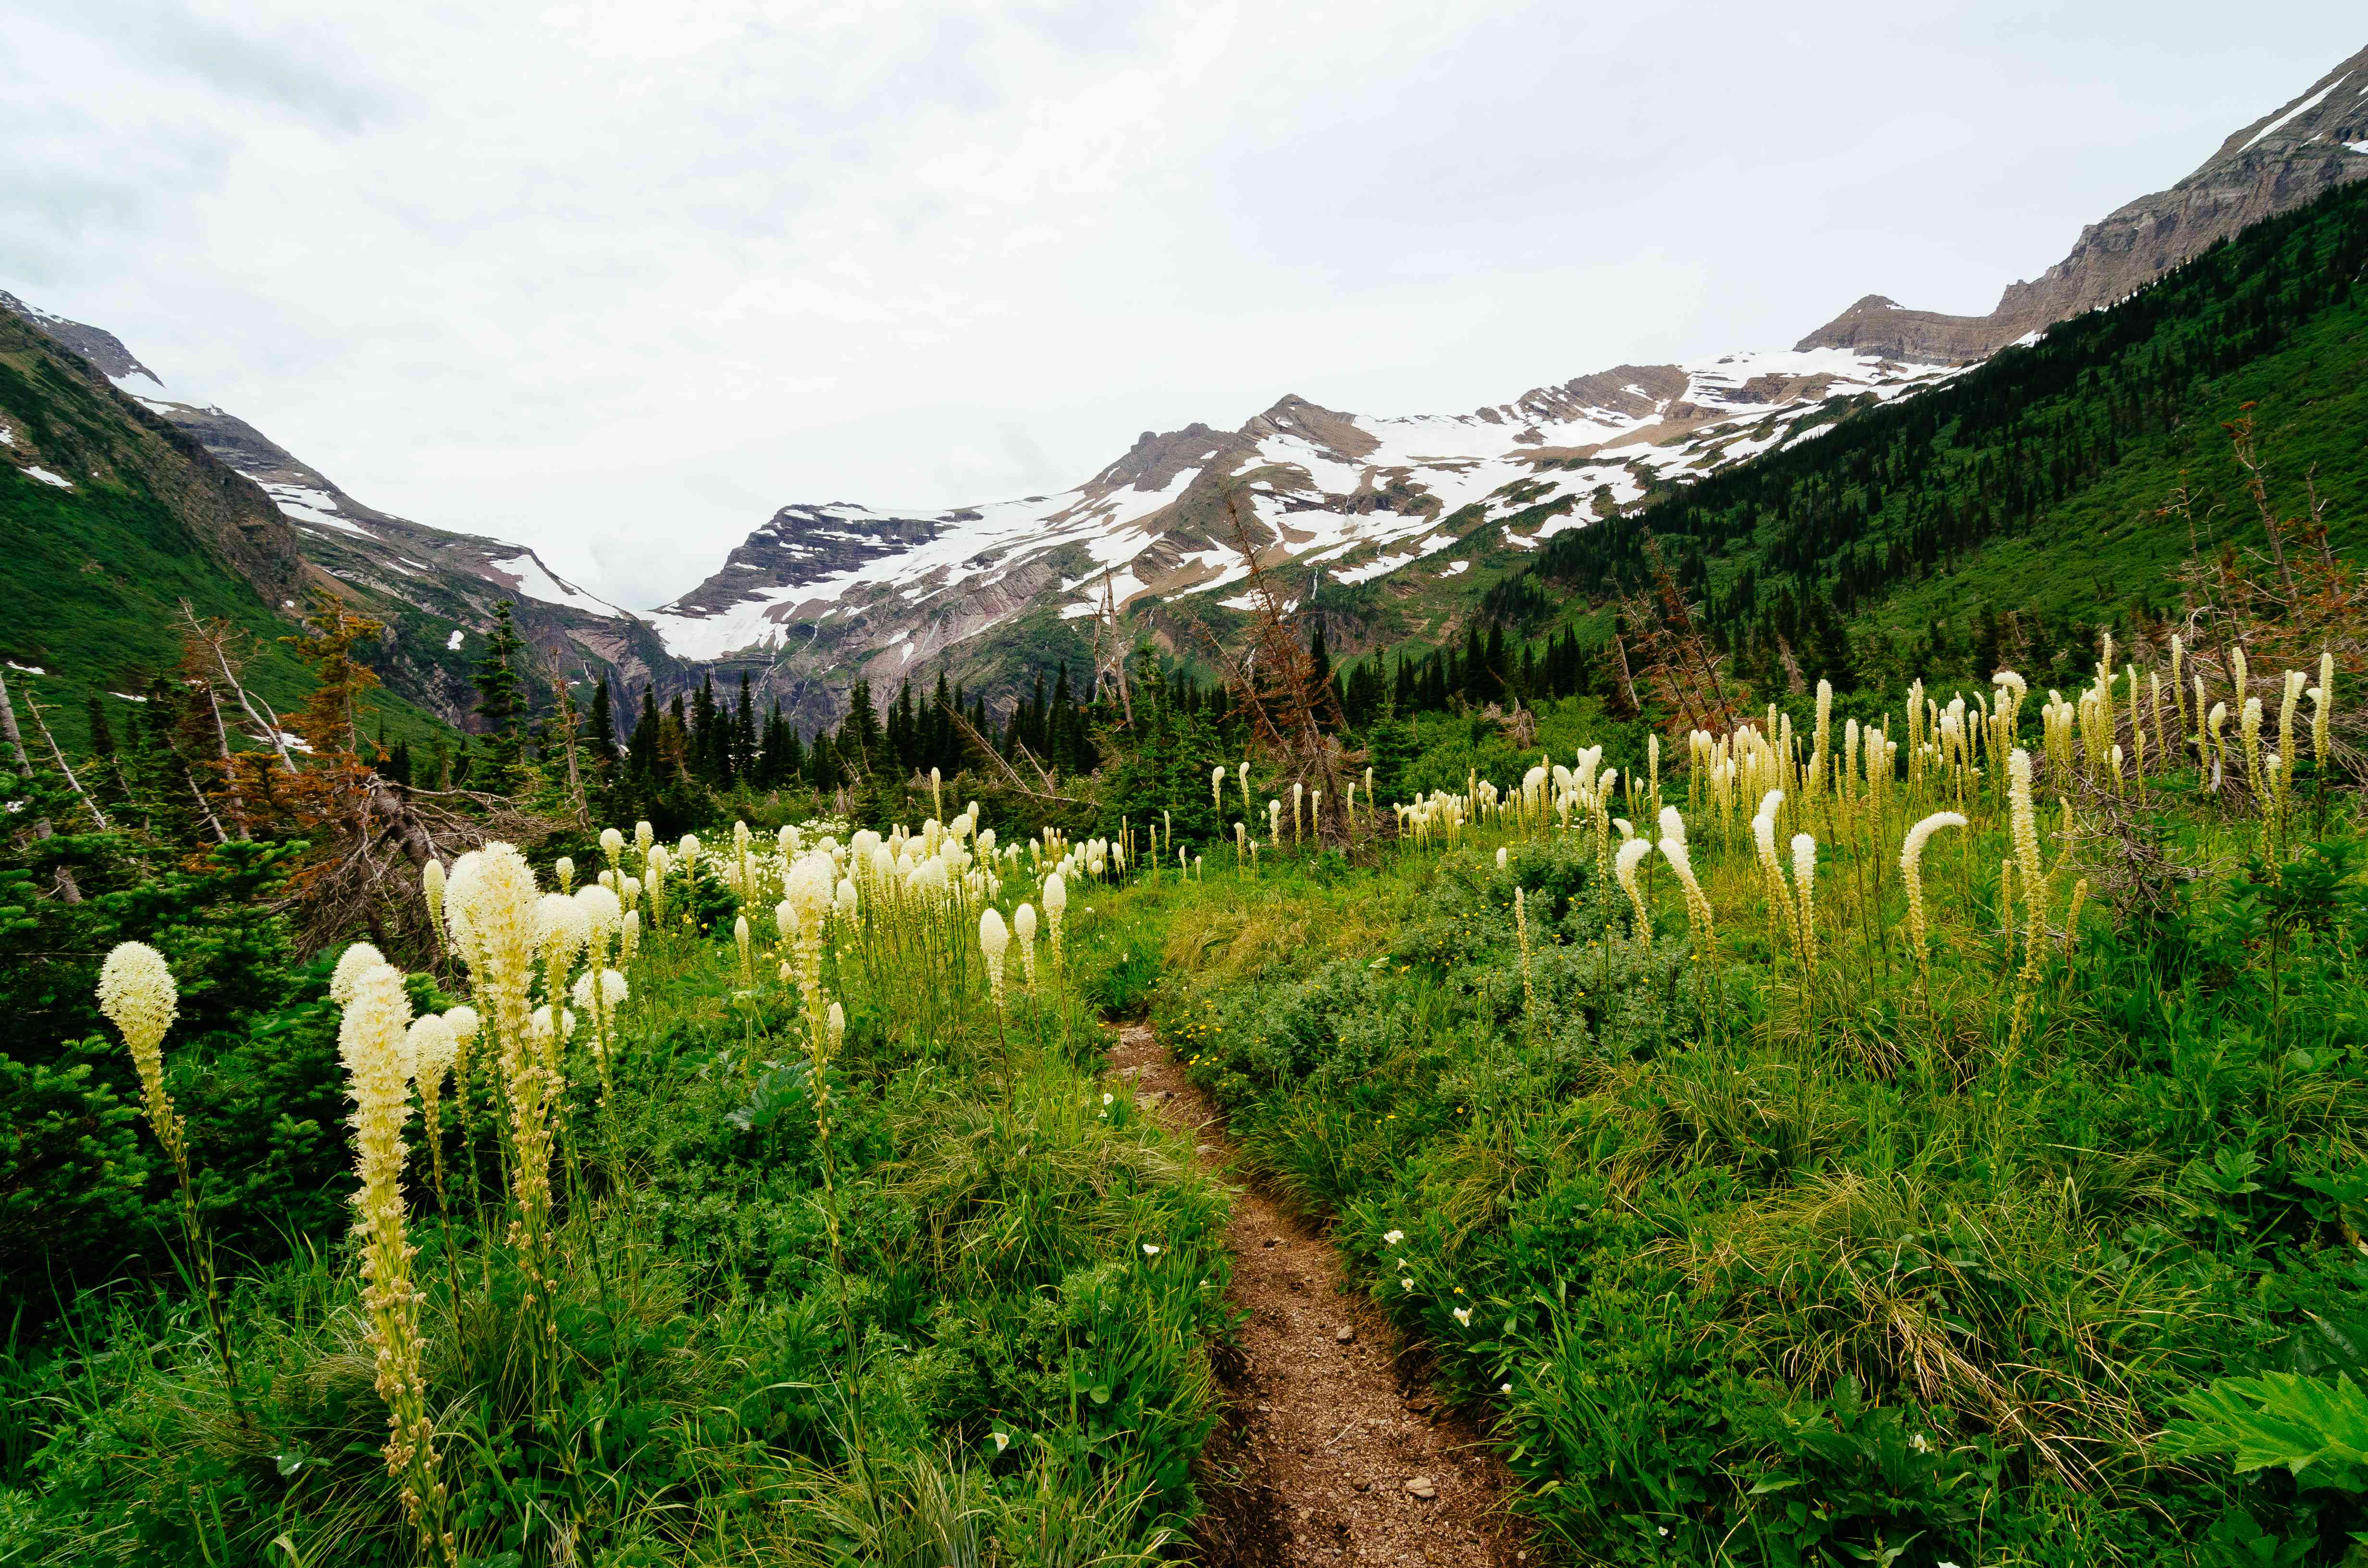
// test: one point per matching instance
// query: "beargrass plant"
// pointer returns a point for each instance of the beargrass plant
(1911, 1247)
(860, 1268)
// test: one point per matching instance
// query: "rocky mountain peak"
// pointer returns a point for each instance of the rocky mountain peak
(2317, 140)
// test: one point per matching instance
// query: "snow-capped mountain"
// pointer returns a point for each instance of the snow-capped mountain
(841, 590)
(2314, 140)
(437, 587)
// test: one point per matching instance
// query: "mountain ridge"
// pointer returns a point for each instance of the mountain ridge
(2316, 140)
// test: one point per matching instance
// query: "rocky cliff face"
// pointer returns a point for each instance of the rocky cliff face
(2316, 140)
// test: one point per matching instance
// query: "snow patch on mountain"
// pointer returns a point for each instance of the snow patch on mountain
(1360, 495)
(532, 578)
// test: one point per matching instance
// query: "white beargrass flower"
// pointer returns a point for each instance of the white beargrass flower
(1631, 855)
(994, 937)
(137, 993)
(612, 843)
(1023, 925)
(431, 888)
(370, 1040)
(352, 964)
(1057, 905)
(613, 991)
(563, 869)
(1805, 888)
(603, 912)
(1911, 871)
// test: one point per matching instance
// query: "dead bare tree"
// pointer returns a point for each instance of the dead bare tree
(1109, 650)
(1274, 684)
(67, 888)
(1679, 664)
(1002, 764)
(214, 638)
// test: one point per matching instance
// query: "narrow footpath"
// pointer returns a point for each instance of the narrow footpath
(1334, 1453)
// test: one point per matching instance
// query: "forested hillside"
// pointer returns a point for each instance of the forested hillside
(2006, 516)
(110, 521)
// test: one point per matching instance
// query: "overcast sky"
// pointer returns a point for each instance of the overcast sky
(618, 283)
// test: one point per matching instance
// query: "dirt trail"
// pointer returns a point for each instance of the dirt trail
(1341, 1458)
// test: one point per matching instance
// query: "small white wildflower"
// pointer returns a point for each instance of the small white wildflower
(1392, 1237)
(1464, 1316)
(1408, 1283)
(1002, 1441)
(1504, 1388)
(1109, 1099)
(1149, 1250)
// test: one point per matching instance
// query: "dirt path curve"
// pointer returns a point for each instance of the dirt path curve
(1341, 1457)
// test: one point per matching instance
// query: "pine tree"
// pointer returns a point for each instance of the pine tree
(600, 726)
(501, 703)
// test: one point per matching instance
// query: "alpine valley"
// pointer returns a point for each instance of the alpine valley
(1394, 528)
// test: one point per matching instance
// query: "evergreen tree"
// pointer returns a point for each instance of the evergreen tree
(601, 725)
(501, 703)
(859, 740)
(743, 731)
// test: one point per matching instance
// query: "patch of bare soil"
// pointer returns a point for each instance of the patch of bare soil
(1335, 1453)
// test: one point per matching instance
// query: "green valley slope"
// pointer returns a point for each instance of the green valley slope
(99, 564)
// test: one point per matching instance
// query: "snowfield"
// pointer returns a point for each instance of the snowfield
(1359, 496)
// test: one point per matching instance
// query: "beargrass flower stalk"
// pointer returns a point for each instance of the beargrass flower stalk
(747, 962)
(1700, 925)
(2072, 913)
(1911, 871)
(2250, 727)
(352, 964)
(465, 1024)
(1297, 791)
(432, 1047)
(659, 862)
(1023, 925)
(564, 870)
(601, 992)
(562, 932)
(2322, 706)
(612, 845)
(1274, 824)
(1804, 889)
(1241, 777)
(431, 888)
(994, 937)
(1772, 870)
(139, 997)
(1631, 855)
(500, 908)
(2023, 826)
(1057, 905)
(370, 1040)
(1521, 931)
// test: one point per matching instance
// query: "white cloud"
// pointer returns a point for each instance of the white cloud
(614, 283)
